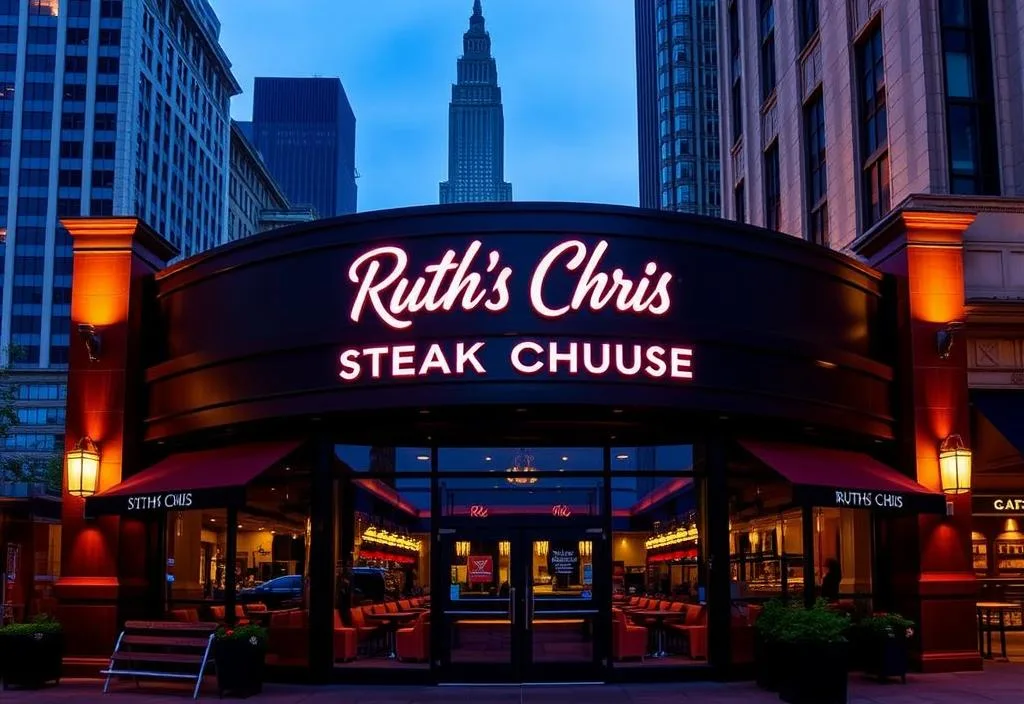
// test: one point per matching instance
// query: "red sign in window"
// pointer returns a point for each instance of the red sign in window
(481, 569)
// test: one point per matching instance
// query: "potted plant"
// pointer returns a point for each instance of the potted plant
(31, 653)
(886, 639)
(238, 654)
(814, 655)
(767, 664)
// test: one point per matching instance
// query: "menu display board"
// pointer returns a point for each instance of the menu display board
(564, 561)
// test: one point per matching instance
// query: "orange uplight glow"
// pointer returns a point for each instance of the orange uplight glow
(937, 277)
(101, 294)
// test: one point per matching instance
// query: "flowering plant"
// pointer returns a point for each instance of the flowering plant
(253, 634)
(889, 625)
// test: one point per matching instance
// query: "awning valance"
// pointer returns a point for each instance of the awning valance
(192, 480)
(838, 478)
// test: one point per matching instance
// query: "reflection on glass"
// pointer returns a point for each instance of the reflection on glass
(497, 460)
(478, 608)
(659, 609)
(383, 586)
(561, 608)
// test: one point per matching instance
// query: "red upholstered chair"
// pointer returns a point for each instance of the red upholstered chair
(392, 607)
(288, 639)
(345, 640)
(240, 615)
(693, 630)
(413, 643)
(187, 615)
(256, 608)
(219, 613)
(404, 605)
(365, 630)
(628, 641)
(634, 601)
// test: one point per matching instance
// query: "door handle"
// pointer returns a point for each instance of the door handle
(512, 605)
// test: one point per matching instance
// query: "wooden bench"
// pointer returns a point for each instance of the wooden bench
(171, 650)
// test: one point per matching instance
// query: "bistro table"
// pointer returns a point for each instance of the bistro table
(393, 620)
(986, 610)
(659, 616)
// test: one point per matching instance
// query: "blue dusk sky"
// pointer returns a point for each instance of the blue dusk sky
(566, 69)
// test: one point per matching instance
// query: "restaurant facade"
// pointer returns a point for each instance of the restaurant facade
(517, 442)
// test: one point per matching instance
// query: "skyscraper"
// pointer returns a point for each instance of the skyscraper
(476, 124)
(677, 105)
(107, 108)
(305, 130)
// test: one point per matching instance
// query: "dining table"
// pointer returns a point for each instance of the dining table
(391, 624)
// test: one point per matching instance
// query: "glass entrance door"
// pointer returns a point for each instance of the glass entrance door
(522, 605)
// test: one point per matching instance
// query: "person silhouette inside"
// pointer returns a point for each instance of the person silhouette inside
(830, 582)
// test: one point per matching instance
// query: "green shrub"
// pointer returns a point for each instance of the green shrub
(819, 624)
(772, 616)
(41, 624)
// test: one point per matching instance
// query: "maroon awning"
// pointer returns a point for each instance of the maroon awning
(824, 476)
(190, 480)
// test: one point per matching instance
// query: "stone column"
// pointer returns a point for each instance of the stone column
(104, 574)
(922, 248)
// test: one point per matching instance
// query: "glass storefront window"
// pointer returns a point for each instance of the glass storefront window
(495, 460)
(270, 563)
(382, 566)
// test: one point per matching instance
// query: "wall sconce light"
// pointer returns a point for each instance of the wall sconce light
(83, 467)
(954, 466)
(92, 340)
(944, 339)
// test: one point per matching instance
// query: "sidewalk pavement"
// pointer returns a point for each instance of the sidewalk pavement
(1000, 683)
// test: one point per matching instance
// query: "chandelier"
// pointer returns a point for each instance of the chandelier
(522, 469)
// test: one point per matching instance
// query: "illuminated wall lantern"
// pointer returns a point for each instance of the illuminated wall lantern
(83, 466)
(955, 466)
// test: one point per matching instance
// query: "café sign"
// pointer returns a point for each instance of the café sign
(999, 505)
(389, 288)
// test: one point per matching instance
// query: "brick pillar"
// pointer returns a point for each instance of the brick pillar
(934, 581)
(103, 561)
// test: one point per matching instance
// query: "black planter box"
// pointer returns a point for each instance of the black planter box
(768, 664)
(814, 673)
(888, 656)
(31, 660)
(239, 665)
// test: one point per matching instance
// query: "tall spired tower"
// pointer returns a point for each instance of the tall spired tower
(476, 124)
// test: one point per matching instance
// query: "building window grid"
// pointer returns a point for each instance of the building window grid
(816, 170)
(970, 115)
(766, 34)
(740, 202)
(875, 182)
(807, 20)
(772, 187)
(737, 73)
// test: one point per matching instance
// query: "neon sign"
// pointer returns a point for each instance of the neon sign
(478, 511)
(387, 287)
(561, 511)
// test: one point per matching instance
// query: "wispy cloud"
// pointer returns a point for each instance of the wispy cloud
(566, 69)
